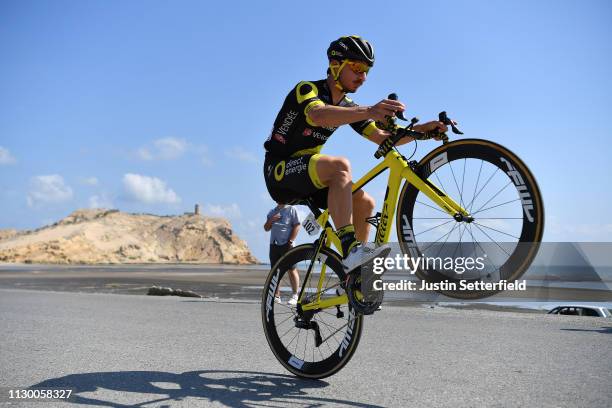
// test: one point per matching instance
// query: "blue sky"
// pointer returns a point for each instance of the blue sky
(153, 106)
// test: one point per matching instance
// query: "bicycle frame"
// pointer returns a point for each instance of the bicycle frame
(399, 170)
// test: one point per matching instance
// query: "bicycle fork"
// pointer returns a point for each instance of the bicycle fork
(327, 238)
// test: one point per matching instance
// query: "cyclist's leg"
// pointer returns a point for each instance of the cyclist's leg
(335, 173)
(345, 207)
(363, 205)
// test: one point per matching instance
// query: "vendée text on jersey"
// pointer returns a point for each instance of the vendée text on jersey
(287, 122)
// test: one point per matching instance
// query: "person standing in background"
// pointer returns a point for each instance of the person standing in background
(284, 224)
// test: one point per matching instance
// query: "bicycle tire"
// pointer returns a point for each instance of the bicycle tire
(525, 227)
(277, 319)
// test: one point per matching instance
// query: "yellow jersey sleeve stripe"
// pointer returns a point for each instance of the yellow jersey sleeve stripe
(311, 105)
(305, 152)
(308, 108)
(368, 130)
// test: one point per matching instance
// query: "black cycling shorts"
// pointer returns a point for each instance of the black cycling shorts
(295, 178)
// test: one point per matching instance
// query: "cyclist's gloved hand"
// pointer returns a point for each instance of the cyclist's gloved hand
(388, 126)
(435, 136)
(433, 130)
(385, 108)
(432, 127)
(441, 136)
(384, 133)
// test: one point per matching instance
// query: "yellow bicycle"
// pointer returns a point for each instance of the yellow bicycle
(469, 195)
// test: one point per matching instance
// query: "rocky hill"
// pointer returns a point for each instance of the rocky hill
(98, 236)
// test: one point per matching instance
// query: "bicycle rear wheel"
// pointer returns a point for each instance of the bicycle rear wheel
(290, 332)
(501, 195)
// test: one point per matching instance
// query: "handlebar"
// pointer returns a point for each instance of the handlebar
(397, 132)
(390, 142)
(448, 122)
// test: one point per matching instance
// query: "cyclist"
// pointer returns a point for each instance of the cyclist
(295, 169)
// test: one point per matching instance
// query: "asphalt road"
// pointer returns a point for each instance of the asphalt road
(119, 350)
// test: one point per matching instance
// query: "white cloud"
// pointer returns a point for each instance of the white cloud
(144, 154)
(100, 201)
(228, 211)
(169, 148)
(149, 190)
(241, 154)
(89, 181)
(6, 157)
(48, 189)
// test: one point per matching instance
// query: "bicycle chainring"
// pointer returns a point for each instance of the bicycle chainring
(361, 305)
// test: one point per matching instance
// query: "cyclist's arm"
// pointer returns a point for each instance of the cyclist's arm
(333, 116)
(372, 133)
(378, 136)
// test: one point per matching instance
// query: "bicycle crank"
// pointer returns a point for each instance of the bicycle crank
(363, 304)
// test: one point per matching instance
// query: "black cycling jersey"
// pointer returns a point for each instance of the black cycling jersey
(294, 134)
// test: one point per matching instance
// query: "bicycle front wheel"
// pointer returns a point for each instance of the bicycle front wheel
(498, 191)
(312, 344)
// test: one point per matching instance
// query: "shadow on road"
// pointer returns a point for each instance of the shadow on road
(232, 388)
(603, 330)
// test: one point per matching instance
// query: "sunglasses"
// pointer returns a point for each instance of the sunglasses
(358, 67)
